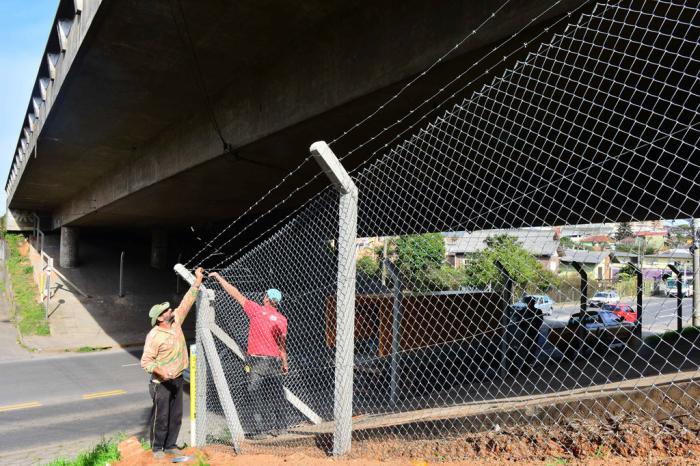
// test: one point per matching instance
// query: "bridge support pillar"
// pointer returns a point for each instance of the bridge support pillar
(159, 249)
(68, 253)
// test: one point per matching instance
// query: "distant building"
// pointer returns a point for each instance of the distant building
(655, 265)
(597, 264)
(540, 242)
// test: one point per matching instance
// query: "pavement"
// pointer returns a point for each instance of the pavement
(9, 338)
(61, 405)
(658, 313)
(85, 308)
(54, 403)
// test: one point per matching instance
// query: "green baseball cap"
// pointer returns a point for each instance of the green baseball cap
(157, 310)
(275, 294)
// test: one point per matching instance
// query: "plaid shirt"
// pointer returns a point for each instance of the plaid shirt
(166, 348)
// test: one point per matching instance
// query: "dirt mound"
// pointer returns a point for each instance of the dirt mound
(612, 442)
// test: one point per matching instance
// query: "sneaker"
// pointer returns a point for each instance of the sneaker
(173, 451)
(159, 454)
(258, 436)
(279, 432)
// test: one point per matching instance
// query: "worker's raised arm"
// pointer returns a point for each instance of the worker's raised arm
(230, 289)
(190, 297)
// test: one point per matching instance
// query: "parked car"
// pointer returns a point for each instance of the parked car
(686, 288)
(625, 311)
(594, 330)
(604, 297)
(542, 302)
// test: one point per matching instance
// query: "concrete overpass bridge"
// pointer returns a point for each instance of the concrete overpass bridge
(121, 129)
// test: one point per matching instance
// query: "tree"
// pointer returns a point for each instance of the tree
(524, 268)
(627, 272)
(419, 258)
(566, 242)
(624, 230)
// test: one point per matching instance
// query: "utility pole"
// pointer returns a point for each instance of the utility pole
(696, 272)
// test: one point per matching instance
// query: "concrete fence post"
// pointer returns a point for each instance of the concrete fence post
(345, 298)
(207, 353)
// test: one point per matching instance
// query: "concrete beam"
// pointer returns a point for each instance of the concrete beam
(49, 86)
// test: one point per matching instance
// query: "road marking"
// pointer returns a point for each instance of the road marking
(91, 396)
(127, 365)
(31, 404)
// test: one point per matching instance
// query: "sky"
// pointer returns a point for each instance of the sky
(26, 28)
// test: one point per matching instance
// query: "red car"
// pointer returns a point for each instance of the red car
(625, 311)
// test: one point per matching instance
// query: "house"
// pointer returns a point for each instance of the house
(597, 264)
(655, 265)
(540, 242)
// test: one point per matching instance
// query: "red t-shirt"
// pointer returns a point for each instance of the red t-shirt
(266, 324)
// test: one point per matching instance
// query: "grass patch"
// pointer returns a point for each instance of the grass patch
(672, 336)
(30, 315)
(91, 349)
(103, 453)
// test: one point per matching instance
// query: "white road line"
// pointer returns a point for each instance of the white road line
(127, 365)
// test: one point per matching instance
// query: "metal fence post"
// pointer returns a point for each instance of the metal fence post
(395, 328)
(121, 275)
(696, 272)
(679, 297)
(345, 301)
(584, 285)
(506, 322)
(47, 286)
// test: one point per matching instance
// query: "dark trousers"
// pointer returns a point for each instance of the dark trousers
(166, 414)
(266, 392)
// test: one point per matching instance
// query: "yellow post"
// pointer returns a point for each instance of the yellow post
(193, 395)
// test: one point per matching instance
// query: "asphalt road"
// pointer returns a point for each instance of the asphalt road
(658, 313)
(56, 400)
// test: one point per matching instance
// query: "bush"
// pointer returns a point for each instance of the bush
(104, 453)
(368, 265)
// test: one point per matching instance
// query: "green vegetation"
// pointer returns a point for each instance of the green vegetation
(368, 265)
(672, 336)
(104, 453)
(418, 255)
(566, 242)
(421, 260)
(525, 270)
(201, 459)
(90, 349)
(30, 315)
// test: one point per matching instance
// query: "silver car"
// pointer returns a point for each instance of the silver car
(604, 297)
(542, 302)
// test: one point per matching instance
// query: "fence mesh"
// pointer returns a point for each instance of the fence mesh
(477, 238)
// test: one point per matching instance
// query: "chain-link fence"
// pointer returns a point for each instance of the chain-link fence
(488, 261)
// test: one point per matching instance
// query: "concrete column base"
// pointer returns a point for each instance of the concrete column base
(68, 253)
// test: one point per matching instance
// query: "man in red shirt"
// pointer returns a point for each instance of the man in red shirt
(267, 359)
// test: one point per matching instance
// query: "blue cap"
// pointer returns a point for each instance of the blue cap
(275, 294)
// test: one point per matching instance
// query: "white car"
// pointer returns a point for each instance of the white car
(604, 297)
(542, 302)
(686, 288)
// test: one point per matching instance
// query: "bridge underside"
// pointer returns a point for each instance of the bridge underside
(130, 140)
